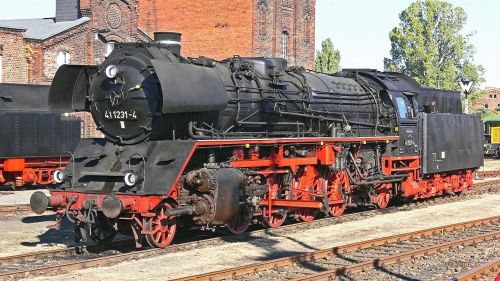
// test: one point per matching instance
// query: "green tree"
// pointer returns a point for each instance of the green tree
(327, 59)
(428, 45)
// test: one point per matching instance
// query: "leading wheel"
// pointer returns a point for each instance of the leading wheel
(160, 229)
(240, 223)
(102, 231)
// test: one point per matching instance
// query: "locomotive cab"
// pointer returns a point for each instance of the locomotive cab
(407, 130)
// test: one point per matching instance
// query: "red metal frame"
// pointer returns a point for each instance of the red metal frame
(308, 188)
(406, 164)
(415, 186)
(277, 164)
(34, 171)
(240, 143)
(143, 204)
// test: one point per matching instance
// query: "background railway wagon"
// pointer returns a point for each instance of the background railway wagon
(491, 136)
(35, 142)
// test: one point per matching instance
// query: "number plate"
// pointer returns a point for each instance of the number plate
(120, 115)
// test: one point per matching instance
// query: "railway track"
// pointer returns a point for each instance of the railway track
(65, 260)
(6, 192)
(57, 261)
(485, 271)
(18, 209)
(346, 260)
(488, 174)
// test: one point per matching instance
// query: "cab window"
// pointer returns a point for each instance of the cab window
(402, 107)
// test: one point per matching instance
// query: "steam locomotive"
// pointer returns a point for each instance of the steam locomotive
(205, 143)
(35, 142)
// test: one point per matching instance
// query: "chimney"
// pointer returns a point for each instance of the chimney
(171, 39)
(67, 10)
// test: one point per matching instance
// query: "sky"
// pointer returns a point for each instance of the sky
(358, 28)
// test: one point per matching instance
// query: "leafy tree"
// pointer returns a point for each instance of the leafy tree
(327, 59)
(428, 45)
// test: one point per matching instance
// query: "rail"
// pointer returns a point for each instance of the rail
(302, 264)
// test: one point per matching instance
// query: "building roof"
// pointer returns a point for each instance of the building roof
(491, 118)
(41, 29)
(492, 89)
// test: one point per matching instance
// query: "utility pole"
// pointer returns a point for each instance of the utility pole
(466, 85)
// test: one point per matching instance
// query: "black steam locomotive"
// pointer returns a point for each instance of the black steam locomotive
(207, 143)
(35, 142)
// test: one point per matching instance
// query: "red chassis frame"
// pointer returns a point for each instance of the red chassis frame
(417, 187)
(145, 204)
(306, 190)
(18, 172)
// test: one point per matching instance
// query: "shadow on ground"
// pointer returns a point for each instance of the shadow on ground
(50, 236)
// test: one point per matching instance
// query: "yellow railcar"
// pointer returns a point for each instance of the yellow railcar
(495, 135)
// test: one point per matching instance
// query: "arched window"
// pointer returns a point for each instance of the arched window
(108, 48)
(263, 24)
(62, 58)
(284, 44)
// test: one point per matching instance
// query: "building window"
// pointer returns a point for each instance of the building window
(62, 58)
(498, 105)
(495, 96)
(263, 25)
(485, 106)
(108, 48)
(284, 44)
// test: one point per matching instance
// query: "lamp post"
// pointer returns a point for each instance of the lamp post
(466, 85)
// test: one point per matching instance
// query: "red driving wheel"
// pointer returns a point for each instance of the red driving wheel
(274, 217)
(383, 199)
(338, 184)
(306, 186)
(383, 195)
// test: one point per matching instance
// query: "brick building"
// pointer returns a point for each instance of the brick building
(223, 28)
(82, 31)
(489, 102)
(31, 50)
